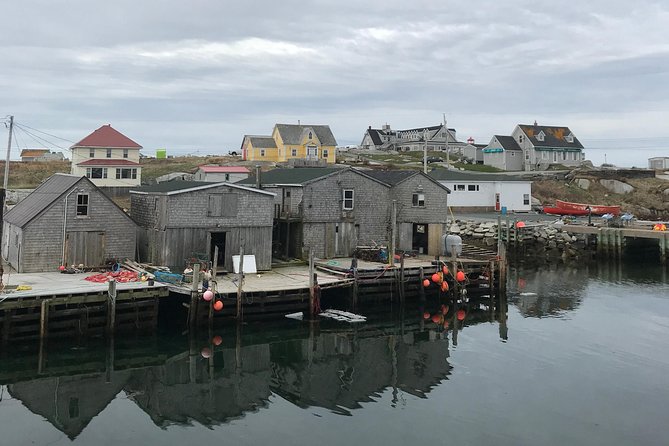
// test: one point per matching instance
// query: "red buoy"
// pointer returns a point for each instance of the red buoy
(426, 283)
(436, 278)
(444, 286)
(436, 319)
(461, 315)
(460, 276)
(520, 224)
(218, 305)
(426, 315)
(61, 267)
(446, 325)
(444, 269)
(217, 340)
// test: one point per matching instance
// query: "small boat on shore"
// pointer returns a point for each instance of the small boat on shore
(554, 210)
(594, 208)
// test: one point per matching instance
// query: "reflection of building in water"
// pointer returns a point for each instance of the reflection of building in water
(69, 402)
(546, 291)
(334, 370)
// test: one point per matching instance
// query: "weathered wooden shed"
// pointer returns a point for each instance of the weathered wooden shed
(179, 220)
(333, 210)
(67, 220)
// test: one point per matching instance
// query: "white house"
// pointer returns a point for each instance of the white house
(108, 158)
(217, 174)
(409, 140)
(658, 162)
(480, 192)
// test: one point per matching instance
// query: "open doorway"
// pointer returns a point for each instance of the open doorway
(419, 238)
(218, 240)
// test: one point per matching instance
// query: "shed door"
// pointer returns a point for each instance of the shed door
(345, 239)
(85, 247)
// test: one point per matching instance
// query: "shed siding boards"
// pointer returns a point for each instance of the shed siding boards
(41, 239)
(176, 226)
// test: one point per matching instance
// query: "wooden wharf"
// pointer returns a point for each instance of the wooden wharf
(64, 305)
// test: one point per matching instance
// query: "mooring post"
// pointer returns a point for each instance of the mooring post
(502, 270)
(312, 284)
(393, 229)
(194, 298)
(491, 277)
(239, 284)
(111, 307)
(44, 319)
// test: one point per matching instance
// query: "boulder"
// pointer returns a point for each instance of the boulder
(617, 187)
(583, 183)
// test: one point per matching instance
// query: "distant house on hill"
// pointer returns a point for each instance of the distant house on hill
(539, 146)
(32, 154)
(409, 140)
(67, 220)
(108, 158)
(221, 173)
(292, 143)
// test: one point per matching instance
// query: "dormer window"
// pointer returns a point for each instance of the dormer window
(310, 135)
(569, 138)
(541, 136)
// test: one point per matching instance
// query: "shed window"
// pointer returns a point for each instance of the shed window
(222, 205)
(459, 187)
(347, 196)
(418, 200)
(473, 187)
(526, 199)
(82, 205)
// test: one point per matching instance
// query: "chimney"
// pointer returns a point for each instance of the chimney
(369, 128)
(298, 122)
(535, 122)
(258, 182)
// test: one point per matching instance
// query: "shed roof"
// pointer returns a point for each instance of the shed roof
(297, 175)
(107, 136)
(224, 169)
(391, 177)
(41, 198)
(291, 134)
(178, 187)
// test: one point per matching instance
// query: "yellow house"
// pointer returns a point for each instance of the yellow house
(292, 141)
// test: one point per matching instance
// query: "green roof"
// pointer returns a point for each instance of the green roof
(297, 175)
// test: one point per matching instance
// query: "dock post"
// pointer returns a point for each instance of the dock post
(393, 220)
(354, 298)
(420, 285)
(491, 277)
(111, 307)
(213, 286)
(192, 314)
(44, 319)
(239, 284)
(508, 231)
(312, 284)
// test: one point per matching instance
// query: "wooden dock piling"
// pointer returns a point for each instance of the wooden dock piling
(111, 306)
(194, 298)
(239, 284)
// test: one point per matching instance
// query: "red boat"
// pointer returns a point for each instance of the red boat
(595, 209)
(562, 211)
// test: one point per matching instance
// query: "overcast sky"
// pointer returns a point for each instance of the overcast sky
(195, 76)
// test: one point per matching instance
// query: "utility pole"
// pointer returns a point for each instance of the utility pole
(448, 152)
(9, 150)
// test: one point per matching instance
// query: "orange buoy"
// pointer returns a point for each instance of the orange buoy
(436, 278)
(217, 340)
(206, 352)
(426, 283)
(520, 224)
(436, 319)
(461, 315)
(444, 269)
(426, 315)
(444, 286)
(460, 276)
(218, 305)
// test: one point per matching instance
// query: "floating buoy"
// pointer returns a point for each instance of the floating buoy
(426, 315)
(436, 319)
(208, 295)
(446, 325)
(218, 305)
(460, 276)
(426, 283)
(217, 340)
(520, 224)
(61, 267)
(444, 286)
(444, 269)
(436, 278)
(461, 315)
(444, 309)
(206, 353)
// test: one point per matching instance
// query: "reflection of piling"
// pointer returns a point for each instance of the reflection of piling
(312, 285)
(402, 278)
(239, 284)
(421, 287)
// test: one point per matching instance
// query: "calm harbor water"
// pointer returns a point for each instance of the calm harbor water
(576, 356)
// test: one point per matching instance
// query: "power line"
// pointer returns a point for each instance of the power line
(45, 133)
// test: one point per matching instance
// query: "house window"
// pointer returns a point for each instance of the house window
(526, 199)
(347, 196)
(109, 153)
(82, 205)
(96, 172)
(126, 174)
(293, 152)
(520, 139)
(459, 187)
(473, 187)
(418, 200)
(564, 155)
(125, 153)
(325, 153)
(91, 153)
(262, 152)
